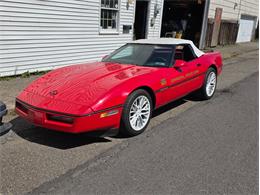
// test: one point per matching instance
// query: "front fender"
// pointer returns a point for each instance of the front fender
(118, 95)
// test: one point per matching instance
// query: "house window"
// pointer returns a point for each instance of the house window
(109, 15)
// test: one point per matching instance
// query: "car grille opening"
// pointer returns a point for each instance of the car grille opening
(21, 107)
(62, 119)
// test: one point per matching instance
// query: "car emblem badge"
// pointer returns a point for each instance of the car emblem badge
(163, 82)
(54, 92)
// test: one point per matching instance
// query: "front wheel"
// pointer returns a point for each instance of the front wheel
(209, 86)
(136, 114)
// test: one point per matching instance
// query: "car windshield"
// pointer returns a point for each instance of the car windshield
(143, 55)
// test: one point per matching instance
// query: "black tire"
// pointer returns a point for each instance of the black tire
(125, 126)
(202, 93)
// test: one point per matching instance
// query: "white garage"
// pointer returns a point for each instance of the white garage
(246, 29)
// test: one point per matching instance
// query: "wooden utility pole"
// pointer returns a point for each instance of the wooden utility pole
(216, 27)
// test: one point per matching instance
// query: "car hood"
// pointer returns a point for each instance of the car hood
(84, 84)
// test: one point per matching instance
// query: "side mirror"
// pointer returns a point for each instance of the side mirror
(179, 63)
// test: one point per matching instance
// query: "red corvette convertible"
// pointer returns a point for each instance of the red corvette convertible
(122, 90)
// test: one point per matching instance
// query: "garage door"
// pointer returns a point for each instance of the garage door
(245, 30)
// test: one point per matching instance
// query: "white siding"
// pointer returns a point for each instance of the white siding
(155, 31)
(249, 7)
(42, 35)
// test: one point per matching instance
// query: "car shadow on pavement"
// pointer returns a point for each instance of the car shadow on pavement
(52, 138)
(192, 97)
(161, 110)
(169, 106)
(65, 141)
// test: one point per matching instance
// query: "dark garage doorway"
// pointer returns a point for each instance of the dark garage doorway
(183, 18)
(140, 25)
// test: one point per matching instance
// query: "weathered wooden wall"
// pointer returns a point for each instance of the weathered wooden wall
(227, 34)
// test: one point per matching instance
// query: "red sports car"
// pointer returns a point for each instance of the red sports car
(122, 90)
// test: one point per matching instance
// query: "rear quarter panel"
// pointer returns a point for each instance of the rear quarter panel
(212, 58)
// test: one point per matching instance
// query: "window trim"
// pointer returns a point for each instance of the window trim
(192, 51)
(109, 31)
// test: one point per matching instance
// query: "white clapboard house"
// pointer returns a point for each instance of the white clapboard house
(37, 35)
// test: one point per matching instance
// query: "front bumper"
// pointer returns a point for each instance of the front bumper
(77, 124)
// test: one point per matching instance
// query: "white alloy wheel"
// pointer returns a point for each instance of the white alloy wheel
(139, 114)
(211, 84)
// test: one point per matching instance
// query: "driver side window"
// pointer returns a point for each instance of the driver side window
(161, 56)
(184, 52)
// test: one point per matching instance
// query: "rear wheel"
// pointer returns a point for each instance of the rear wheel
(136, 114)
(209, 86)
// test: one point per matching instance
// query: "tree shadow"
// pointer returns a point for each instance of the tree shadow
(52, 138)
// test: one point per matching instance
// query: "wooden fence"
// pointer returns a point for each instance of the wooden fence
(227, 33)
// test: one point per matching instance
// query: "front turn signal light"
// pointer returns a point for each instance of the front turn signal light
(109, 113)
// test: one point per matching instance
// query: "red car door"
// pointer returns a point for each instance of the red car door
(183, 79)
(193, 77)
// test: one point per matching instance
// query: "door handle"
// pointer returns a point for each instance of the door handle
(198, 65)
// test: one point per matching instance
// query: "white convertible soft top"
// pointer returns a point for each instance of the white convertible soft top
(170, 41)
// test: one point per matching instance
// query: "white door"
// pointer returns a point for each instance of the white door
(245, 30)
